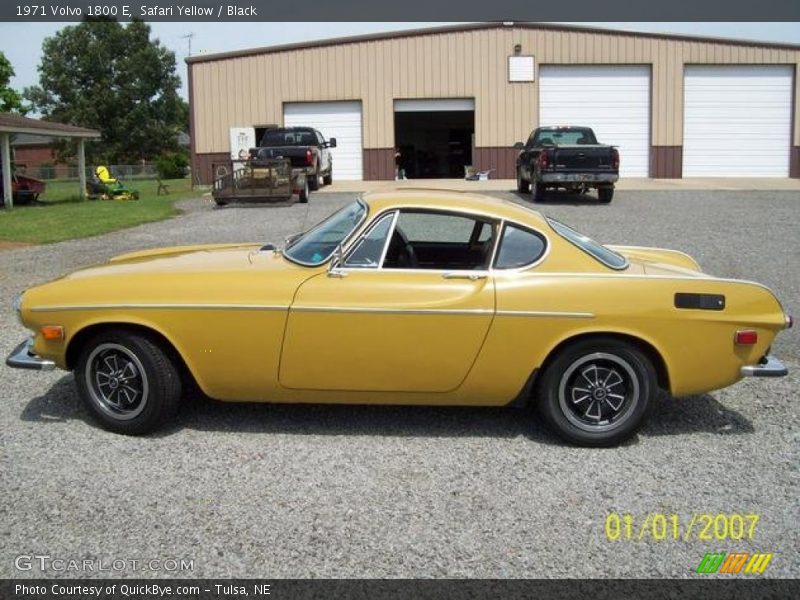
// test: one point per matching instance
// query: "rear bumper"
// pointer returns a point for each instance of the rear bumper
(23, 357)
(768, 367)
(578, 177)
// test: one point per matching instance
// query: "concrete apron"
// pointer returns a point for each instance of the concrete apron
(639, 184)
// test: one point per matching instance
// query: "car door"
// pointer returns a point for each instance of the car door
(378, 323)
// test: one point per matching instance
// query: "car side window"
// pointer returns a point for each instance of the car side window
(519, 247)
(320, 139)
(425, 239)
(367, 253)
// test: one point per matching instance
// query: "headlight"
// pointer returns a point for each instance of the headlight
(18, 307)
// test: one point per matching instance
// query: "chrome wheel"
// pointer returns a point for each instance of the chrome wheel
(598, 392)
(116, 381)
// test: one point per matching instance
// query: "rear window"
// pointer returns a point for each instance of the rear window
(283, 137)
(564, 137)
(597, 251)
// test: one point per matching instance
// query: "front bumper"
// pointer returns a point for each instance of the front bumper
(23, 358)
(578, 177)
(768, 367)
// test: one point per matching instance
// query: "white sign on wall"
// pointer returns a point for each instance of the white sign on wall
(521, 68)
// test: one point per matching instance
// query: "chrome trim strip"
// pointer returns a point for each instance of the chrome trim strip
(394, 311)
(70, 307)
(23, 357)
(545, 313)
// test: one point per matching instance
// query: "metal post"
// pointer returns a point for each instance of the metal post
(82, 167)
(5, 149)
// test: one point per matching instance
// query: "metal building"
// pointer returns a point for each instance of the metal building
(449, 97)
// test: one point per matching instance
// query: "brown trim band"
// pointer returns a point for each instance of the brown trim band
(666, 162)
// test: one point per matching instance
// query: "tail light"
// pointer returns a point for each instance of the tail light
(309, 157)
(543, 162)
(615, 159)
(746, 337)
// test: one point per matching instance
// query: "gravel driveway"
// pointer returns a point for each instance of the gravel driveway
(316, 491)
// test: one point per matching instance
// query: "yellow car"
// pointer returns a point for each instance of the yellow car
(415, 297)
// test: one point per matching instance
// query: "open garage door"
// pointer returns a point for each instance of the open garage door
(340, 120)
(612, 100)
(737, 121)
(434, 136)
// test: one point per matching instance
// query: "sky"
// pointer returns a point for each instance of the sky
(22, 42)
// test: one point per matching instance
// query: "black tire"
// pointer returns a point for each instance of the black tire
(221, 202)
(114, 363)
(539, 191)
(605, 194)
(328, 179)
(313, 180)
(305, 192)
(595, 373)
(523, 186)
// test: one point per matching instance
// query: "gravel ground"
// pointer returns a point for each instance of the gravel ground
(316, 491)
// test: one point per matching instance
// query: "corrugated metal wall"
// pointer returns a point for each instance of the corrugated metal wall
(250, 90)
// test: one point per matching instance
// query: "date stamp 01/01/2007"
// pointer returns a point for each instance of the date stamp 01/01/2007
(704, 527)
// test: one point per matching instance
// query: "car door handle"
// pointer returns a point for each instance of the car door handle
(470, 276)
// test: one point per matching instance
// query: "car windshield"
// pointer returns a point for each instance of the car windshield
(315, 246)
(598, 251)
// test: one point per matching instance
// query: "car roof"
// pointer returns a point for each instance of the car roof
(468, 202)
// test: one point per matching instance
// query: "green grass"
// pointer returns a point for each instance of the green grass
(61, 215)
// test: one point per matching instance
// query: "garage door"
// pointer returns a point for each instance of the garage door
(612, 100)
(340, 120)
(737, 121)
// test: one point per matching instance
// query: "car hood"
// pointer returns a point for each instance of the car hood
(660, 261)
(221, 274)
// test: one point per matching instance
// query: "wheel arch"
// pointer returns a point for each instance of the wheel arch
(647, 348)
(78, 340)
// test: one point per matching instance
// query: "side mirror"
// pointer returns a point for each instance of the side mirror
(332, 143)
(519, 146)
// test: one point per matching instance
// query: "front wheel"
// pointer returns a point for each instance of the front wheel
(328, 179)
(127, 382)
(313, 181)
(597, 392)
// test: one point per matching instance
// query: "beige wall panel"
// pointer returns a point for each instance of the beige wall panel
(458, 64)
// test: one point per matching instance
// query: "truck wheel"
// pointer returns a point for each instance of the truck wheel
(538, 194)
(328, 179)
(523, 187)
(305, 192)
(605, 194)
(313, 181)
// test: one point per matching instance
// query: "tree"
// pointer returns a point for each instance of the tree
(113, 78)
(10, 100)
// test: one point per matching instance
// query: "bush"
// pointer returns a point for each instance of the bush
(172, 166)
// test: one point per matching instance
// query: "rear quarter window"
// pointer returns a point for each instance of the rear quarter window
(519, 247)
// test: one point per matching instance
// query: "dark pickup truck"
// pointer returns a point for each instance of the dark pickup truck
(307, 149)
(569, 158)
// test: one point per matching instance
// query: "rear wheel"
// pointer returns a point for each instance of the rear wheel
(605, 194)
(539, 191)
(305, 192)
(313, 180)
(597, 392)
(127, 382)
(523, 186)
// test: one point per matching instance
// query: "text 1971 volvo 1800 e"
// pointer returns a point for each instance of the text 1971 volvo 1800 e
(415, 297)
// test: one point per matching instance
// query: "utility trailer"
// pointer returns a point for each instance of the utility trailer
(256, 180)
